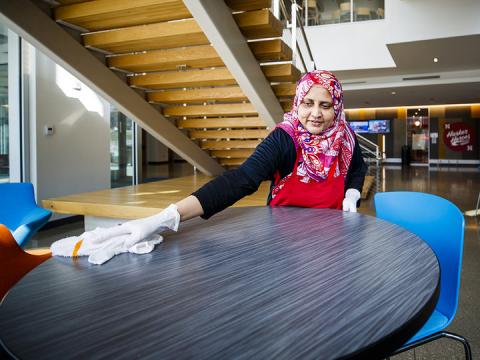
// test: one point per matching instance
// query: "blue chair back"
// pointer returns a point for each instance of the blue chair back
(14, 196)
(441, 225)
(19, 211)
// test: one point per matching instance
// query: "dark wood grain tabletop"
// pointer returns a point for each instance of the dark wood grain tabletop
(250, 283)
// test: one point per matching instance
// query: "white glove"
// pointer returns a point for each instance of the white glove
(140, 229)
(136, 236)
(350, 201)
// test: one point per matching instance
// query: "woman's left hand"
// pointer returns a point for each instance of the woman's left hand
(350, 202)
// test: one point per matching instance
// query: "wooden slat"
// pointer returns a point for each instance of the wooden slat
(211, 110)
(253, 24)
(271, 50)
(169, 59)
(229, 144)
(232, 162)
(248, 5)
(111, 14)
(367, 185)
(284, 90)
(148, 37)
(244, 109)
(281, 72)
(230, 93)
(214, 123)
(235, 153)
(286, 105)
(192, 78)
(195, 57)
(65, 2)
(259, 24)
(228, 134)
(208, 77)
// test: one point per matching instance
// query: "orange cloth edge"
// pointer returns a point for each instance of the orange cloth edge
(77, 248)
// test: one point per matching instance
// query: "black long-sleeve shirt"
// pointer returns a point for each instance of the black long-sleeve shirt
(276, 152)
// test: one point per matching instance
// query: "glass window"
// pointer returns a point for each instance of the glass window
(323, 12)
(4, 144)
(121, 149)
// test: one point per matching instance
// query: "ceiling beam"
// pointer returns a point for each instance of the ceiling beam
(216, 21)
(29, 22)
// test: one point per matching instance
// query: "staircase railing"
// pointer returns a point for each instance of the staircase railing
(372, 155)
(294, 20)
(370, 150)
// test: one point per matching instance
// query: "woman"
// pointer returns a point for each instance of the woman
(311, 158)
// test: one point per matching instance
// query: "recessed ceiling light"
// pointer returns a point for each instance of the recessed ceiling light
(435, 59)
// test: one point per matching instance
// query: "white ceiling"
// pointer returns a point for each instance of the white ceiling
(459, 58)
(460, 93)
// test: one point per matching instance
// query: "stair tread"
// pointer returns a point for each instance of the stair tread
(229, 144)
(228, 134)
(201, 56)
(165, 35)
(208, 77)
(111, 14)
(215, 123)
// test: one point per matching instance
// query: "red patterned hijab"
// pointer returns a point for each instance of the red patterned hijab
(319, 152)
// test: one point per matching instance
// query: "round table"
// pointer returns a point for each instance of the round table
(254, 282)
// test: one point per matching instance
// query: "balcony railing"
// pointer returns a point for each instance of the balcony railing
(324, 12)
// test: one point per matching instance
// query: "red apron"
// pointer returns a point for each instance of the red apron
(324, 194)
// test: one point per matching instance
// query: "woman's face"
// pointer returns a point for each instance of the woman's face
(316, 110)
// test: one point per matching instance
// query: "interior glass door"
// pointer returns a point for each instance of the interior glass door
(121, 149)
(418, 135)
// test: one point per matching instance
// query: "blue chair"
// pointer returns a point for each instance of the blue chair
(441, 225)
(19, 211)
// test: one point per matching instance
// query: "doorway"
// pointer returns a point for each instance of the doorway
(418, 135)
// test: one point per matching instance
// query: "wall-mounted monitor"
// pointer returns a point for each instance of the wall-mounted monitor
(370, 126)
(359, 126)
(378, 126)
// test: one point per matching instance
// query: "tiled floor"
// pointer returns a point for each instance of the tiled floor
(459, 185)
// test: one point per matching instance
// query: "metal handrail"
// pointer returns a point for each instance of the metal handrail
(294, 40)
(373, 153)
(366, 140)
(306, 41)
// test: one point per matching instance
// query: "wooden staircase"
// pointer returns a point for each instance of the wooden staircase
(165, 54)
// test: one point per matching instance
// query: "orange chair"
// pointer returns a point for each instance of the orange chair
(14, 262)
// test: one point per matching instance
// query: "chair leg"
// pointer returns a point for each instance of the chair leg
(466, 345)
(433, 337)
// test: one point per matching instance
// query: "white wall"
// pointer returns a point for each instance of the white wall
(363, 45)
(412, 20)
(76, 157)
(349, 46)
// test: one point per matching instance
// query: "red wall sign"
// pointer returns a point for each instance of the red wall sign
(459, 136)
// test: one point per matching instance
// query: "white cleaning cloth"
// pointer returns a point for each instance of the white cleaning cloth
(98, 253)
(136, 236)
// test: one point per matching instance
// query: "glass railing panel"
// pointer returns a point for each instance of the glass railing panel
(325, 12)
(4, 141)
(368, 10)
